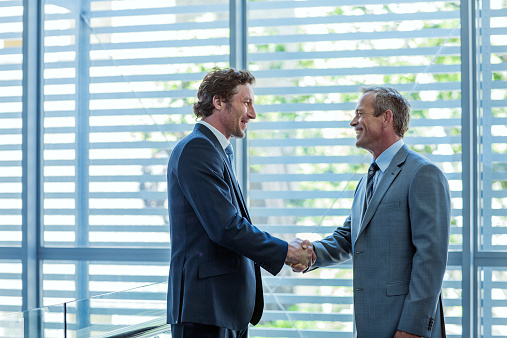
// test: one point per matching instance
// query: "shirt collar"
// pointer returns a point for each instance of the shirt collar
(387, 156)
(221, 138)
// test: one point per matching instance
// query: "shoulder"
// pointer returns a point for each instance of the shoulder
(422, 166)
(197, 149)
(192, 142)
(196, 141)
(418, 160)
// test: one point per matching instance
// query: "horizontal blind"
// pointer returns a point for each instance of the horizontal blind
(121, 77)
(60, 123)
(494, 126)
(493, 122)
(494, 304)
(10, 286)
(147, 58)
(310, 59)
(110, 305)
(11, 74)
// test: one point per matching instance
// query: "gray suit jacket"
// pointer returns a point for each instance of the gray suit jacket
(400, 255)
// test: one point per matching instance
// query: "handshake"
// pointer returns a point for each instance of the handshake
(300, 255)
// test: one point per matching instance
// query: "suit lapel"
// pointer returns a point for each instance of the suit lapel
(383, 186)
(357, 208)
(239, 195)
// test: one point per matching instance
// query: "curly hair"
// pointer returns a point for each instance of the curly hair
(388, 98)
(222, 83)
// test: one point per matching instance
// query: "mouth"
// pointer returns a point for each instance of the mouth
(358, 132)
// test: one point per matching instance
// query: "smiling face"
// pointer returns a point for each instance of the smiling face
(235, 114)
(369, 128)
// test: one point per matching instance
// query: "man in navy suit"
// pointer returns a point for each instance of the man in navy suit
(398, 231)
(215, 286)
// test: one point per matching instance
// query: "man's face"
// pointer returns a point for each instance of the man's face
(369, 128)
(238, 112)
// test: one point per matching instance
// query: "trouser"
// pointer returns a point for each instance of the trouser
(193, 330)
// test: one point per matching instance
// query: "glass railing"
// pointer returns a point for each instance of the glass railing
(47, 322)
(119, 313)
(137, 312)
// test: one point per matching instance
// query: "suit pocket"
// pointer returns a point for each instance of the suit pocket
(389, 205)
(217, 268)
(397, 288)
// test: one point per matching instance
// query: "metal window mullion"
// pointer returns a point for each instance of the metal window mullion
(31, 164)
(238, 59)
(82, 123)
(470, 149)
(486, 124)
(83, 160)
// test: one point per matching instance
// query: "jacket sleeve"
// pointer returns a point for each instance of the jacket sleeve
(335, 248)
(201, 172)
(429, 212)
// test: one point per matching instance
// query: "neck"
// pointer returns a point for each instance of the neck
(384, 145)
(215, 122)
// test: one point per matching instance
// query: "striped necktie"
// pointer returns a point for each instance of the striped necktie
(369, 183)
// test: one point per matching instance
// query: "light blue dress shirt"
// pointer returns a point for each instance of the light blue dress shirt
(383, 162)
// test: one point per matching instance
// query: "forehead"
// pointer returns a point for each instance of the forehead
(244, 91)
(366, 101)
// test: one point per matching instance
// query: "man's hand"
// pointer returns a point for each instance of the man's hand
(402, 334)
(300, 255)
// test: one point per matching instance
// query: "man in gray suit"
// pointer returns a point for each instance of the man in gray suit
(398, 231)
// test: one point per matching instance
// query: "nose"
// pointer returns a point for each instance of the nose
(354, 121)
(251, 112)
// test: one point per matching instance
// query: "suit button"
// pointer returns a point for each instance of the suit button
(358, 289)
(359, 252)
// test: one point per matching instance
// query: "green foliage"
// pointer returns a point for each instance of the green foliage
(336, 11)
(500, 76)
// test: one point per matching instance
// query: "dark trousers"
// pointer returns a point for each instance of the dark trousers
(194, 330)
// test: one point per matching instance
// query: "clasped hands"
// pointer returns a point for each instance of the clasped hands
(300, 255)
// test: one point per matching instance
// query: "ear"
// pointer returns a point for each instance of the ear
(388, 118)
(218, 102)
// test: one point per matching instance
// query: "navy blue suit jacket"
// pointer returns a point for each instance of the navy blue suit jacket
(213, 278)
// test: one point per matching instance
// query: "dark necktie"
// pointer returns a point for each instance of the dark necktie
(230, 156)
(369, 183)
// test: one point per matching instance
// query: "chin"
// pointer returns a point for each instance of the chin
(239, 134)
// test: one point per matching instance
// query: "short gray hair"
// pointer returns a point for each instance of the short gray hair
(388, 98)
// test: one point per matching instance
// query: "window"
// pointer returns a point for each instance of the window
(11, 74)
(310, 59)
(117, 84)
